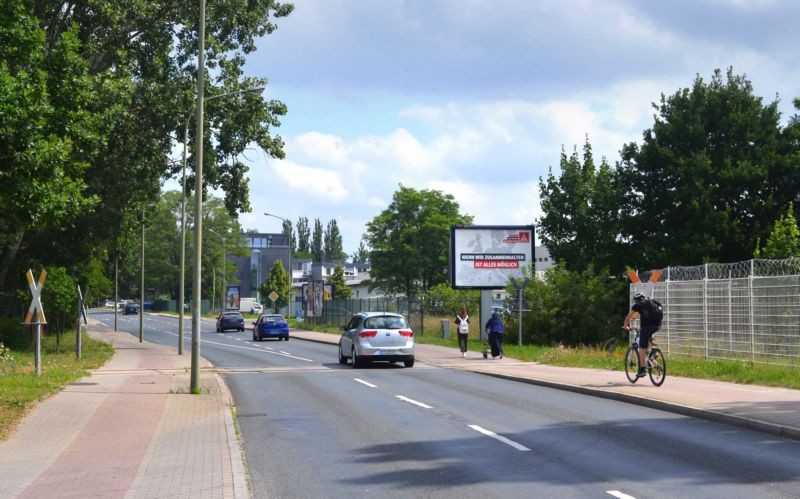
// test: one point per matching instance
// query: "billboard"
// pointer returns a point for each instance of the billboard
(232, 297)
(486, 256)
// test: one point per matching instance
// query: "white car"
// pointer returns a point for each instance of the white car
(376, 336)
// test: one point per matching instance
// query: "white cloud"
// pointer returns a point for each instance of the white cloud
(310, 181)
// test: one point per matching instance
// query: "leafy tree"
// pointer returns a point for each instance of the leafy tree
(333, 242)
(96, 284)
(290, 237)
(446, 300)
(303, 235)
(573, 307)
(361, 254)
(582, 223)
(410, 239)
(60, 300)
(278, 281)
(710, 174)
(317, 247)
(88, 100)
(341, 290)
(784, 240)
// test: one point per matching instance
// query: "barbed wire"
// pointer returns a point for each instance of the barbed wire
(736, 270)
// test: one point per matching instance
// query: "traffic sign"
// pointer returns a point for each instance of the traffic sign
(36, 302)
(274, 296)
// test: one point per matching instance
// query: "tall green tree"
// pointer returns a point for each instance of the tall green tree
(91, 96)
(784, 240)
(60, 298)
(303, 235)
(410, 239)
(341, 290)
(290, 236)
(582, 223)
(333, 242)
(278, 281)
(317, 245)
(361, 254)
(710, 174)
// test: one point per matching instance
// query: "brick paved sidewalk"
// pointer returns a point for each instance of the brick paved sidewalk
(130, 429)
(772, 410)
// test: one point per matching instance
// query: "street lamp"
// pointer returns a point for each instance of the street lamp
(291, 258)
(181, 293)
(224, 276)
(258, 275)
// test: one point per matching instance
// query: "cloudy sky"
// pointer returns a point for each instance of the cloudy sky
(477, 98)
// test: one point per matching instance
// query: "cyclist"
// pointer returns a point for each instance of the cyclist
(647, 327)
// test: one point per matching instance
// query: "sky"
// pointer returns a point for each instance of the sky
(477, 99)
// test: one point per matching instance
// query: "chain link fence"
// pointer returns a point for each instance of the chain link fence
(739, 311)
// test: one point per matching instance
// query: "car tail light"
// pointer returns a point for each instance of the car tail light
(368, 333)
(407, 333)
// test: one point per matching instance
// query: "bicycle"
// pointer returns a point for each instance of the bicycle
(655, 362)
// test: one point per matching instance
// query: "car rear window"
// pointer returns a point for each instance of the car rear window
(232, 314)
(385, 322)
(273, 318)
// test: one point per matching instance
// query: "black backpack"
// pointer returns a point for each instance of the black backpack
(653, 311)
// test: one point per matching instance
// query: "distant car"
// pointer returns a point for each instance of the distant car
(230, 320)
(501, 311)
(131, 309)
(271, 326)
(109, 304)
(257, 309)
(376, 336)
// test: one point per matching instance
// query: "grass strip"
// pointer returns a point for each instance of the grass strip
(20, 389)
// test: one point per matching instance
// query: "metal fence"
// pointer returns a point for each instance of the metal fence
(424, 314)
(739, 311)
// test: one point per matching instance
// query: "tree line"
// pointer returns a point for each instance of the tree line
(94, 96)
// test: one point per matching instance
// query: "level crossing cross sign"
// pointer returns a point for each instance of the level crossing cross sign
(36, 302)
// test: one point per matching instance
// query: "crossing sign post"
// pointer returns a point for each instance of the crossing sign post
(36, 311)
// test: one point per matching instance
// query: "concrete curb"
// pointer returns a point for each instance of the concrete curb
(685, 410)
(238, 469)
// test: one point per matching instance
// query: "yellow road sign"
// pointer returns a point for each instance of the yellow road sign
(274, 296)
(36, 302)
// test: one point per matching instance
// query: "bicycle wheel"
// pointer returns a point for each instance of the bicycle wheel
(658, 367)
(632, 364)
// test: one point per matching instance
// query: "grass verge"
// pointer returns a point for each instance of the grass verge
(20, 389)
(599, 358)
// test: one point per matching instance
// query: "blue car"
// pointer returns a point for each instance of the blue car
(230, 320)
(271, 326)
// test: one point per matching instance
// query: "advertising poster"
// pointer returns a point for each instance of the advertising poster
(232, 297)
(485, 257)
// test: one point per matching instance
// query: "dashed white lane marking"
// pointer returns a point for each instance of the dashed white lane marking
(412, 401)
(365, 383)
(619, 494)
(498, 437)
(281, 351)
(259, 350)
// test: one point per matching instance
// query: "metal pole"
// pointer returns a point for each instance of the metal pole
(194, 386)
(141, 290)
(224, 277)
(78, 329)
(181, 292)
(519, 312)
(116, 290)
(38, 360)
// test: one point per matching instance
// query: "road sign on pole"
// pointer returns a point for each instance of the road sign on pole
(36, 308)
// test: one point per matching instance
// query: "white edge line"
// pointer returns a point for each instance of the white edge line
(365, 383)
(501, 438)
(412, 401)
(619, 494)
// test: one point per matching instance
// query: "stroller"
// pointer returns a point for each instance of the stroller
(486, 346)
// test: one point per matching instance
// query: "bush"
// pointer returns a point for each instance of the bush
(573, 308)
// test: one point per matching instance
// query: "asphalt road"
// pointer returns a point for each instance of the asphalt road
(313, 428)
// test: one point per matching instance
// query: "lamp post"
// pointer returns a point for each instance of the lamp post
(181, 293)
(224, 276)
(258, 275)
(141, 291)
(291, 261)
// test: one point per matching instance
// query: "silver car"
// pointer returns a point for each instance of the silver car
(376, 336)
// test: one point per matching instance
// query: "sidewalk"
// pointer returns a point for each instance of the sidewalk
(130, 429)
(771, 410)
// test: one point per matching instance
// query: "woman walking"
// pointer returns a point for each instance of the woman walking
(462, 322)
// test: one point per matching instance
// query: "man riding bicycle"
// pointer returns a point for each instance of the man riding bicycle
(648, 327)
